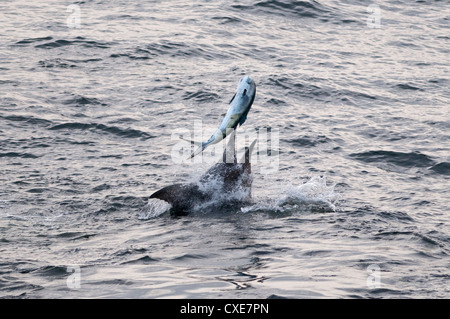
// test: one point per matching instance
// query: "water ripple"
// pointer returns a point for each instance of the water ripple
(127, 133)
(413, 159)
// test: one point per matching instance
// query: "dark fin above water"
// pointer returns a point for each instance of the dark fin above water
(246, 159)
(229, 154)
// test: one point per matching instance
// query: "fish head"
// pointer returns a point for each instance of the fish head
(246, 91)
(242, 101)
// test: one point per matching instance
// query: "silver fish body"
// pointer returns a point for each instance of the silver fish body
(236, 115)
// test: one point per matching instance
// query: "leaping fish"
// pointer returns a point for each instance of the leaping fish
(240, 105)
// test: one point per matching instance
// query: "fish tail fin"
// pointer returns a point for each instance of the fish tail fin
(191, 141)
(202, 145)
(198, 150)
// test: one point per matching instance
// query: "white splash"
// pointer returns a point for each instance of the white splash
(154, 208)
(315, 194)
(314, 190)
(219, 197)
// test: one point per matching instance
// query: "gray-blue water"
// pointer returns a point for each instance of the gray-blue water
(359, 206)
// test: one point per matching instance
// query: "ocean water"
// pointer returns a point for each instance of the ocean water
(91, 93)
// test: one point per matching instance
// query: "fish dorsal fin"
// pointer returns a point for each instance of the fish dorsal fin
(248, 153)
(232, 98)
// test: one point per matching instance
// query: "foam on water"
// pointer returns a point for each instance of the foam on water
(154, 208)
(221, 198)
(315, 194)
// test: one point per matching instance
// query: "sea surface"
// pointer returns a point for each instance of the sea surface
(93, 92)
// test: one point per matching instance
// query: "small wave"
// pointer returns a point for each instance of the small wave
(55, 44)
(407, 86)
(82, 100)
(69, 235)
(306, 9)
(138, 54)
(445, 125)
(354, 94)
(318, 91)
(127, 133)
(78, 41)
(55, 63)
(13, 83)
(201, 96)
(299, 89)
(84, 60)
(307, 141)
(21, 155)
(141, 261)
(175, 49)
(64, 63)
(185, 257)
(394, 216)
(228, 20)
(32, 40)
(38, 190)
(172, 49)
(414, 159)
(424, 239)
(27, 119)
(100, 188)
(441, 168)
(51, 271)
(129, 251)
(274, 101)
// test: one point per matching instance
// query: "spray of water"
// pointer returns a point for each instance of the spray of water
(313, 195)
(154, 208)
